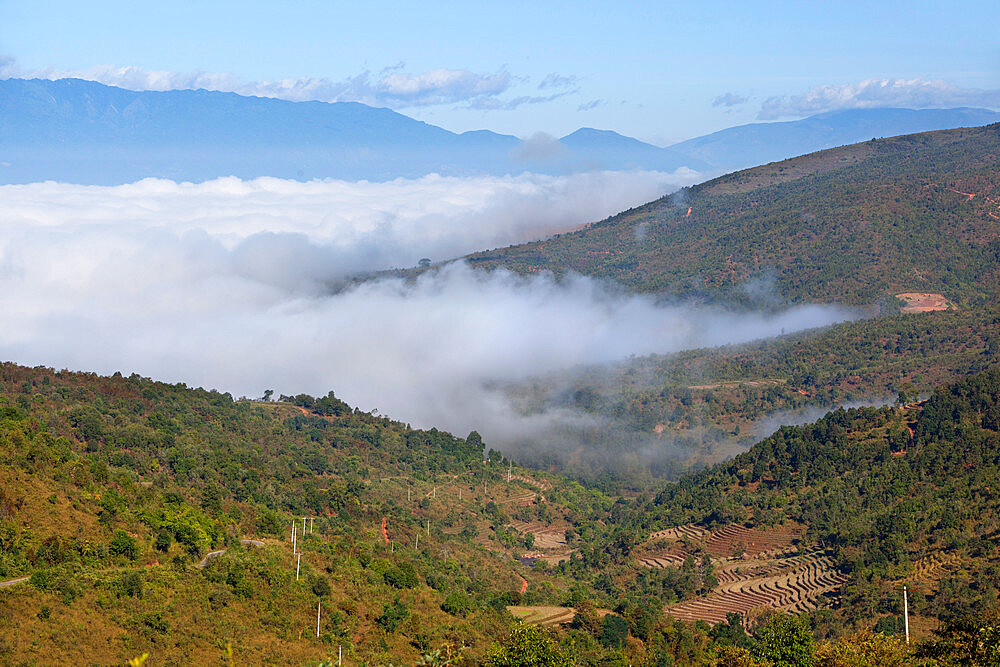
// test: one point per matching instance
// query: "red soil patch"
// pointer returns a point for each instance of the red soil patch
(385, 533)
(922, 302)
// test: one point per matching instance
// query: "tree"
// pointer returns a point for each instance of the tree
(526, 646)
(785, 641)
(163, 541)
(456, 603)
(614, 631)
(392, 616)
(123, 545)
(321, 587)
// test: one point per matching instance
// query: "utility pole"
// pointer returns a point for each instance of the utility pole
(298, 562)
(906, 615)
(311, 524)
(510, 469)
(318, 606)
(294, 543)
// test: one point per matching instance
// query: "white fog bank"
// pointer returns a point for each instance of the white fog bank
(221, 285)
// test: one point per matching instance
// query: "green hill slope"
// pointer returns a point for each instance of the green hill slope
(857, 224)
(157, 518)
(889, 492)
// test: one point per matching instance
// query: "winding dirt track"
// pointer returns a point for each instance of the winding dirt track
(11, 582)
(216, 554)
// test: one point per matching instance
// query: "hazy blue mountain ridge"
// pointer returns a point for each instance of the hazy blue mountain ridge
(750, 145)
(86, 132)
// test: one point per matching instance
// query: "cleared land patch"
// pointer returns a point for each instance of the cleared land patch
(923, 302)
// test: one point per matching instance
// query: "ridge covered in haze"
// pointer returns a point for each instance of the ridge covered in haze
(85, 132)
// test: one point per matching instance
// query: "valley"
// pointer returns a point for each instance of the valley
(711, 497)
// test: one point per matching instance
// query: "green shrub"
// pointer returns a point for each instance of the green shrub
(392, 615)
(163, 541)
(130, 585)
(526, 646)
(456, 603)
(124, 545)
(401, 576)
(40, 579)
(321, 587)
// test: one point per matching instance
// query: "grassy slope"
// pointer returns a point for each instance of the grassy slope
(852, 225)
(84, 458)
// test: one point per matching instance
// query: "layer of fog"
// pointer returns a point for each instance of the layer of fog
(767, 425)
(223, 285)
(293, 232)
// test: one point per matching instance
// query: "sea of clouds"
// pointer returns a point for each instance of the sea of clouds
(240, 286)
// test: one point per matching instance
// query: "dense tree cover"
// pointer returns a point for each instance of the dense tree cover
(853, 224)
(879, 487)
(138, 480)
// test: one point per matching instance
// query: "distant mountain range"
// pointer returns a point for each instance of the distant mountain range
(85, 132)
(759, 143)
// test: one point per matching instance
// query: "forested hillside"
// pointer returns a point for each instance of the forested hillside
(119, 495)
(140, 517)
(893, 494)
(855, 225)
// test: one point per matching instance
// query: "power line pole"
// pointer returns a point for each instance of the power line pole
(906, 615)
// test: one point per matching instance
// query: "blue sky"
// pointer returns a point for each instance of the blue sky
(662, 72)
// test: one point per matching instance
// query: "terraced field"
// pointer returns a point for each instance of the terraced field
(754, 567)
(793, 584)
(686, 532)
(544, 616)
(548, 536)
(720, 544)
(930, 569)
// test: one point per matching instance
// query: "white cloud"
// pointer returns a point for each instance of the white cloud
(390, 88)
(224, 284)
(354, 227)
(730, 100)
(875, 93)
